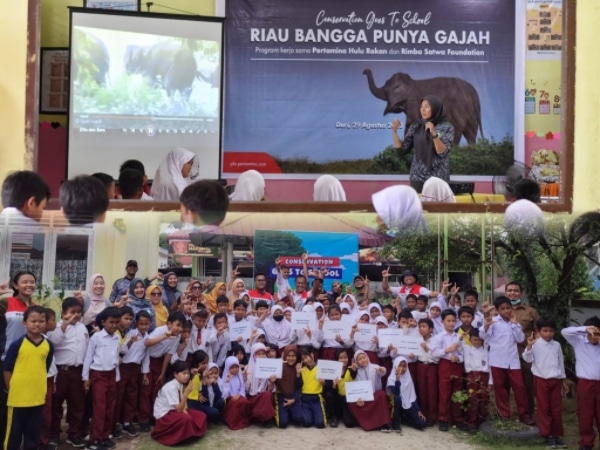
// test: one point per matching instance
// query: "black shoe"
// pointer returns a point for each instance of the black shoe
(130, 430)
(76, 442)
(385, 429)
(269, 423)
(396, 427)
(117, 432)
(559, 442)
(443, 426)
(462, 426)
(107, 443)
(549, 442)
(95, 446)
(333, 422)
(52, 445)
(145, 427)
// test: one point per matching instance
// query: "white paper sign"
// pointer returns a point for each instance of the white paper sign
(409, 344)
(388, 336)
(329, 370)
(359, 390)
(304, 320)
(365, 332)
(331, 328)
(241, 328)
(265, 367)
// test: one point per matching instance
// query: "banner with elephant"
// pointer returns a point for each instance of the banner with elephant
(314, 86)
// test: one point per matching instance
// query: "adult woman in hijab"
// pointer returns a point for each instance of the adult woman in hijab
(94, 300)
(437, 190)
(250, 187)
(398, 208)
(211, 297)
(138, 302)
(431, 139)
(170, 292)
(328, 189)
(161, 313)
(177, 170)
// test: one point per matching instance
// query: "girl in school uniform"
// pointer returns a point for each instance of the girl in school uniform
(383, 354)
(306, 340)
(370, 346)
(319, 310)
(329, 346)
(137, 301)
(235, 414)
(375, 414)
(260, 390)
(350, 300)
(287, 404)
(375, 311)
(404, 398)
(206, 395)
(277, 329)
(174, 423)
(435, 314)
(335, 393)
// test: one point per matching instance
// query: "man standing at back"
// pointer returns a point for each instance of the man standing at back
(527, 317)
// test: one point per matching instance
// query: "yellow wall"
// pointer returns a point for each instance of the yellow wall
(13, 34)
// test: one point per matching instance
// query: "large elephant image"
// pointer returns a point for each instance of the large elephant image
(461, 101)
(90, 58)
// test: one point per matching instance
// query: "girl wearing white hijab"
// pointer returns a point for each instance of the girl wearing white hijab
(307, 340)
(371, 415)
(399, 208)
(233, 388)
(94, 300)
(328, 189)
(350, 300)
(250, 187)
(277, 330)
(437, 190)
(401, 387)
(260, 390)
(177, 170)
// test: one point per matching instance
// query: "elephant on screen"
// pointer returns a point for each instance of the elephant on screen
(461, 101)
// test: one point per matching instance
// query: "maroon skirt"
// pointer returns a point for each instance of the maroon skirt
(328, 353)
(235, 414)
(260, 407)
(372, 415)
(175, 427)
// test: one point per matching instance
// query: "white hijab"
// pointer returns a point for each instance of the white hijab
(524, 216)
(399, 207)
(407, 387)
(437, 190)
(250, 187)
(368, 373)
(277, 333)
(353, 309)
(168, 181)
(328, 189)
(255, 385)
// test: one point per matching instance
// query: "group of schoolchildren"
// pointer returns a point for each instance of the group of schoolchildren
(182, 375)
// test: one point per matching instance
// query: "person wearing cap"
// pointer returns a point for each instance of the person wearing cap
(408, 280)
(362, 293)
(120, 286)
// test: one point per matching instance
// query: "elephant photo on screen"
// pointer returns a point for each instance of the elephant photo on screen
(460, 99)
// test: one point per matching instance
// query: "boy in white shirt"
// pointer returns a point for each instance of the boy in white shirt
(427, 374)
(478, 378)
(548, 370)
(219, 339)
(584, 341)
(446, 346)
(502, 333)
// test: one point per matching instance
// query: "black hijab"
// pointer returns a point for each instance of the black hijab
(423, 143)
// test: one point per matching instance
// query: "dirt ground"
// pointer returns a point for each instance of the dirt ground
(293, 438)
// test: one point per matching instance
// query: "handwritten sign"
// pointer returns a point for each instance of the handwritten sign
(359, 390)
(241, 328)
(304, 320)
(331, 328)
(409, 344)
(329, 370)
(388, 336)
(265, 367)
(365, 332)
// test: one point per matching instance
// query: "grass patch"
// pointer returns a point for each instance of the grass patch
(571, 434)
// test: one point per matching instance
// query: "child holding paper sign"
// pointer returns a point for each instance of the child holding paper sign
(306, 339)
(329, 346)
(368, 346)
(371, 415)
(335, 393)
(312, 402)
(287, 407)
(235, 414)
(402, 389)
(260, 390)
